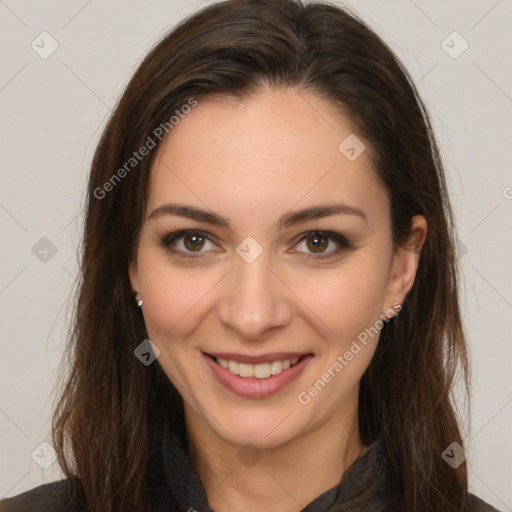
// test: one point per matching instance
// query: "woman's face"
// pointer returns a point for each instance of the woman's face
(252, 282)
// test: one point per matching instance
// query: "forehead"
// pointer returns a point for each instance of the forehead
(264, 154)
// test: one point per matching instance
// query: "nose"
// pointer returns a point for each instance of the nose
(254, 299)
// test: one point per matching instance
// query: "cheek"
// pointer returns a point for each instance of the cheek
(350, 298)
(172, 295)
(349, 303)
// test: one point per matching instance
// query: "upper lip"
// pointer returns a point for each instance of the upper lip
(256, 359)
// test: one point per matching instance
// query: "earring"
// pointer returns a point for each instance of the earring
(391, 319)
(139, 301)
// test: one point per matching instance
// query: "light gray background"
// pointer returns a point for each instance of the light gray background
(53, 110)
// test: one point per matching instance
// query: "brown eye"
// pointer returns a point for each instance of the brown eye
(318, 243)
(185, 243)
(193, 242)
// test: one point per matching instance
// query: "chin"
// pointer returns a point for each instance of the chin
(256, 425)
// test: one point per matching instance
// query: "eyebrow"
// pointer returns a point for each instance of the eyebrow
(287, 220)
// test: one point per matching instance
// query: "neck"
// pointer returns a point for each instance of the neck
(284, 478)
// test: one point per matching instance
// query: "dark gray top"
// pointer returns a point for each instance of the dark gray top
(174, 485)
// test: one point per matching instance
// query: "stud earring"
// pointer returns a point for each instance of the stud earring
(391, 319)
(139, 301)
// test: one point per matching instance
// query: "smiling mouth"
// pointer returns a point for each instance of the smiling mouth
(261, 370)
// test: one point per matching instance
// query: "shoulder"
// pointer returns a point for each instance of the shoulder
(51, 497)
(475, 504)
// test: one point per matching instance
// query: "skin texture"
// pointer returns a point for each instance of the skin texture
(252, 161)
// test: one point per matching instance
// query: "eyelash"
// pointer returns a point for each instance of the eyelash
(343, 242)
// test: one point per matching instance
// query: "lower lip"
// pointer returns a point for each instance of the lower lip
(252, 387)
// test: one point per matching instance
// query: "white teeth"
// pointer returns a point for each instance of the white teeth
(260, 371)
(233, 367)
(245, 370)
(276, 367)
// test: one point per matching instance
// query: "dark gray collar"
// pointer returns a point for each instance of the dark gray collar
(363, 485)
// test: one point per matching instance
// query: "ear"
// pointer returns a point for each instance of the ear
(405, 263)
(134, 275)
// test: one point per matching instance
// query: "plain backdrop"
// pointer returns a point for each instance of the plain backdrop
(53, 110)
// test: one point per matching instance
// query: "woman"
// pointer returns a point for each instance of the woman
(267, 316)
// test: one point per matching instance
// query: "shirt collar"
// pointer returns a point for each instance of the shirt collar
(362, 484)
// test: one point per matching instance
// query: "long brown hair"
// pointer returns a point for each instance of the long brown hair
(111, 405)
